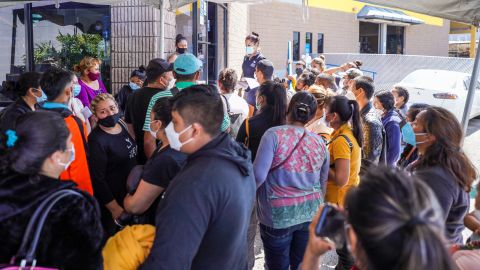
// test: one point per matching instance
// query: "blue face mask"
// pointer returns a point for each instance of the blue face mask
(76, 89)
(134, 86)
(408, 135)
(42, 98)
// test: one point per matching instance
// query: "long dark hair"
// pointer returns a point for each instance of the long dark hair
(398, 222)
(39, 134)
(302, 107)
(254, 37)
(179, 38)
(446, 151)
(276, 99)
(348, 110)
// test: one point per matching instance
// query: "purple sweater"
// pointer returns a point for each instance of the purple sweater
(87, 94)
(292, 193)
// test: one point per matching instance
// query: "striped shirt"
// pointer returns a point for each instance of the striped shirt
(168, 93)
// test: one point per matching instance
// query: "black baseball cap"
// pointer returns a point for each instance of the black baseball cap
(156, 67)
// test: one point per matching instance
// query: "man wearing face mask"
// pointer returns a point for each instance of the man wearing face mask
(58, 86)
(203, 217)
(263, 73)
(159, 77)
(362, 88)
(186, 72)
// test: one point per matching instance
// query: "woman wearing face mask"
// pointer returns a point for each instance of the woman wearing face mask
(137, 78)
(90, 82)
(160, 169)
(345, 148)
(112, 154)
(443, 165)
(401, 96)
(29, 94)
(393, 221)
(181, 44)
(31, 160)
(291, 170)
(76, 107)
(318, 125)
(250, 61)
(384, 103)
(410, 152)
(272, 110)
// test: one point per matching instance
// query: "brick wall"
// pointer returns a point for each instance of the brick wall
(135, 38)
(427, 39)
(237, 31)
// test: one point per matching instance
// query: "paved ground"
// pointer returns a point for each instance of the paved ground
(471, 147)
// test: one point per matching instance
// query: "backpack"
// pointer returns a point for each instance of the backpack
(235, 119)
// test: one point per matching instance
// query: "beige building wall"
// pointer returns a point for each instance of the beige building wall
(276, 22)
(427, 39)
(238, 21)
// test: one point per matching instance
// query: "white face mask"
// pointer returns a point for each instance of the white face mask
(153, 133)
(174, 137)
(171, 84)
(72, 158)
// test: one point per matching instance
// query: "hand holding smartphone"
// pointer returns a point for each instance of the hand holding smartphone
(331, 225)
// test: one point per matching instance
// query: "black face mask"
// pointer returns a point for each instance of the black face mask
(181, 50)
(110, 121)
(299, 71)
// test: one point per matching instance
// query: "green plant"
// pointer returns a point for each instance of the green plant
(45, 52)
(75, 47)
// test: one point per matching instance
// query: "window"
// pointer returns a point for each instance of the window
(58, 37)
(308, 43)
(320, 43)
(369, 37)
(296, 46)
(395, 38)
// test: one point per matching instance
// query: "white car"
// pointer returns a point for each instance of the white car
(443, 88)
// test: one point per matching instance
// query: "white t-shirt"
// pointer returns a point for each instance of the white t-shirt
(237, 105)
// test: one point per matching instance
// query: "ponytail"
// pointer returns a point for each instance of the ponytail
(356, 124)
(348, 110)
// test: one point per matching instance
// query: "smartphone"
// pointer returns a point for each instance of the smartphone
(331, 224)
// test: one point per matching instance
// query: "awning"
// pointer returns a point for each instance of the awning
(467, 11)
(385, 14)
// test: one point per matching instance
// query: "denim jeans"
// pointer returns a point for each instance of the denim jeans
(284, 248)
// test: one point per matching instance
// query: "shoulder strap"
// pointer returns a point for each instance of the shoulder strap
(35, 225)
(82, 133)
(290, 154)
(349, 142)
(226, 103)
(123, 124)
(247, 131)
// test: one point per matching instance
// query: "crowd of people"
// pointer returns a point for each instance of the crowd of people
(172, 174)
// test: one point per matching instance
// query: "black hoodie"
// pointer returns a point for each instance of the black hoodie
(203, 218)
(72, 234)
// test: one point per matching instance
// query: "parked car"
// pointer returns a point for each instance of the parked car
(443, 88)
